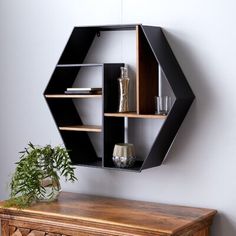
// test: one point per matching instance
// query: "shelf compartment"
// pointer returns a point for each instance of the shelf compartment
(111, 87)
(62, 78)
(113, 134)
(135, 115)
(88, 128)
(81, 149)
(73, 96)
(79, 65)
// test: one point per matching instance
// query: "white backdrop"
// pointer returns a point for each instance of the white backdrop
(200, 167)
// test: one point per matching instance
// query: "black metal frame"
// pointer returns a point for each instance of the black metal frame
(64, 112)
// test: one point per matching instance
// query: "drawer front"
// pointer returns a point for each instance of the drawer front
(26, 228)
(16, 231)
(8, 229)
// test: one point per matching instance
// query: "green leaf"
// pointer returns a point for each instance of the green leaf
(36, 162)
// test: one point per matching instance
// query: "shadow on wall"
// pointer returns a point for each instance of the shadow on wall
(223, 226)
(196, 76)
(198, 81)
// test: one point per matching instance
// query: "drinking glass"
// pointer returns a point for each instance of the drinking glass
(162, 105)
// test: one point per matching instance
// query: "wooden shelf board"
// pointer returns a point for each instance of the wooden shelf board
(88, 128)
(135, 115)
(73, 96)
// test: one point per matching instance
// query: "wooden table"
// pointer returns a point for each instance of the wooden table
(80, 215)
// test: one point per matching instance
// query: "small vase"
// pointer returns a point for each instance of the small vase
(51, 189)
(124, 90)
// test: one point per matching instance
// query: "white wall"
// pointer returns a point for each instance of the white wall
(200, 168)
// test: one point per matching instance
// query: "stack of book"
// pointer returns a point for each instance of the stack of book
(83, 91)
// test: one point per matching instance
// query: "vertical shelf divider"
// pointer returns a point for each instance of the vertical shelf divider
(147, 75)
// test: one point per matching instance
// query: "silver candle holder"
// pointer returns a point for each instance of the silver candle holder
(123, 155)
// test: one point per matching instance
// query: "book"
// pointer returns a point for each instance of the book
(78, 92)
(83, 89)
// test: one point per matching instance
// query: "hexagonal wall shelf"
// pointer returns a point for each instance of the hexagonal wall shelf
(153, 53)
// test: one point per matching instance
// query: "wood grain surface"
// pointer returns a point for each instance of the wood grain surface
(135, 115)
(87, 213)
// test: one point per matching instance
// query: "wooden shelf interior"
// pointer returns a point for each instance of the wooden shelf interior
(135, 115)
(87, 128)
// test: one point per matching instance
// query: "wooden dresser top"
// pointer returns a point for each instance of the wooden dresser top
(95, 211)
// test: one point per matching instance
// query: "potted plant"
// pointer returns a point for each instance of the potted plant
(36, 176)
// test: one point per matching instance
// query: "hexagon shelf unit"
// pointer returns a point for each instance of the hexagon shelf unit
(153, 52)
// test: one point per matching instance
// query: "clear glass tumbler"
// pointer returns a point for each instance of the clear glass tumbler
(162, 105)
